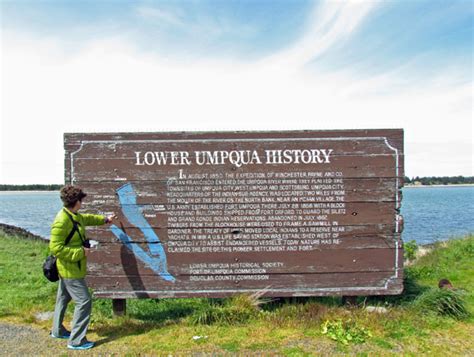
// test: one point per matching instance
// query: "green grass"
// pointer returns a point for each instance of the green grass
(443, 302)
(22, 285)
(242, 324)
(453, 260)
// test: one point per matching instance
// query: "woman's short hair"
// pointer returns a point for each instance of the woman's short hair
(71, 194)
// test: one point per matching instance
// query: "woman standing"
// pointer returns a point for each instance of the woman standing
(67, 244)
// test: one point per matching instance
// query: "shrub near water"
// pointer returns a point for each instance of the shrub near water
(410, 249)
(443, 302)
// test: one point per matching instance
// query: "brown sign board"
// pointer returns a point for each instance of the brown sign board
(297, 213)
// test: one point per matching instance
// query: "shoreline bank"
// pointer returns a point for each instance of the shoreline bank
(20, 232)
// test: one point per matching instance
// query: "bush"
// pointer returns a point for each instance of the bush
(235, 310)
(445, 302)
(410, 249)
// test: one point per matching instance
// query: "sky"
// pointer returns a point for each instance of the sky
(123, 66)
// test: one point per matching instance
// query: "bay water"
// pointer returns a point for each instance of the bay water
(430, 213)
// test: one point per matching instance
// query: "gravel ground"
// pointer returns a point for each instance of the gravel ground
(18, 340)
(22, 340)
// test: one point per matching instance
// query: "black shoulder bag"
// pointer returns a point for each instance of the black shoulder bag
(50, 269)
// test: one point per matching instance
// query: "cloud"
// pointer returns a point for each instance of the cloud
(192, 24)
(330, 23)
(160, 15)
(109, 85)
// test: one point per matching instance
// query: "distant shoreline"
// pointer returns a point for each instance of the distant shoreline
(27, 191)
(31, 187)
(448, 185)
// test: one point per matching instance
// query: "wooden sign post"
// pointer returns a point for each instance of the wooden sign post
(304, 213)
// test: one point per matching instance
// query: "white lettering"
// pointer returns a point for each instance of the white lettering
(137, 154)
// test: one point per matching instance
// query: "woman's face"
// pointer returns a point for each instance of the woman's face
(77, 206)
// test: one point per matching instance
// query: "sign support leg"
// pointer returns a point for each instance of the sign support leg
(119, 307)
(350, 301)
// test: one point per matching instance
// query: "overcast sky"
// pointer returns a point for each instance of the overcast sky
(114, 66)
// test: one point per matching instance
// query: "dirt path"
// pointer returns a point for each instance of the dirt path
(18, 340)
(22, 340)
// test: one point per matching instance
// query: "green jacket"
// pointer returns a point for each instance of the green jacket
(71, 258)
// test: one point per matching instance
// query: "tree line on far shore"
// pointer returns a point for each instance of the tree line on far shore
(443, 180)
(33, 187)
(429, 180)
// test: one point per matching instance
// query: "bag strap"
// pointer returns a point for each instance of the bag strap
(74, 229)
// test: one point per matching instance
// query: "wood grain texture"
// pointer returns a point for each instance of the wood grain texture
(324, 222)
(357, 283)
(115, 260)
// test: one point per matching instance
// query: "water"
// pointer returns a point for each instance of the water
(437, 213)
(430, 213)
(33, 211)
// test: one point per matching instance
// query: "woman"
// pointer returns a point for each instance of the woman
(67, 244)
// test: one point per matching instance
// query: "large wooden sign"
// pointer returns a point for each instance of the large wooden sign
(212, 214)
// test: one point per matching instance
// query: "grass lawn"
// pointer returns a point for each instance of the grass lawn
(294, 327)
